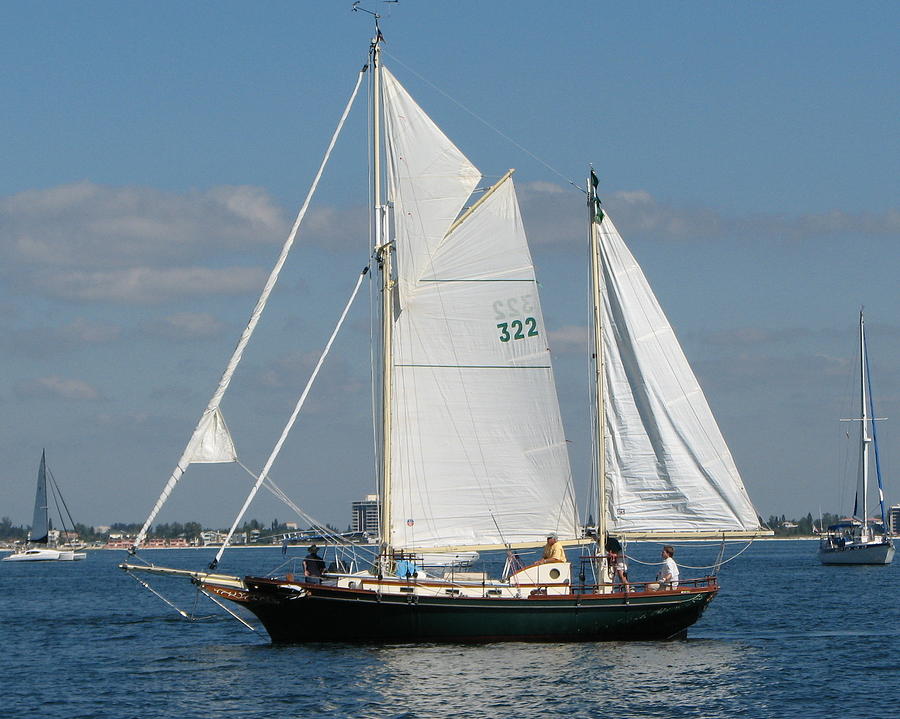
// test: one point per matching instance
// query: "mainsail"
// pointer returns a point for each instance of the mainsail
(668, 468)
(478, 450)
(40, 523)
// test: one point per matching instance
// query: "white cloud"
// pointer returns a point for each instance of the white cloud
(187, 325)
(141, 245)
(45, 341)
(91, 226)
(571, 338)
(55, 387)
(556, 216)
(82, 331)
(148, 285)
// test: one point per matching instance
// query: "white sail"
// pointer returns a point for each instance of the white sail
(430, 181)
(212, 441)
(668, 468)
(479, 454)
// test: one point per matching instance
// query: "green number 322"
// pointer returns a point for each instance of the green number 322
(518, 330)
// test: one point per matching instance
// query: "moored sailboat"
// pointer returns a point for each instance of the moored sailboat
(473, 454)
(859, 539)
(39, 547)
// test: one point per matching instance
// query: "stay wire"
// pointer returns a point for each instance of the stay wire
(688, 566)
(487, 124)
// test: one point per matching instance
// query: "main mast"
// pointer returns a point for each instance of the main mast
(864, 435)
(595, 218)
(383, 254)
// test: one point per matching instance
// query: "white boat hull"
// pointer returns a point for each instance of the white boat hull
(448, 559)
(858, 554)
(45, 555)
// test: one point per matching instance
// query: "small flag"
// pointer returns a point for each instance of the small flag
(597, 210)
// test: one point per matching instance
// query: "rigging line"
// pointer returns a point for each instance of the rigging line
(486, 123)
(153, 591)
(227, 609)
(874, 443)
(251, 324)
(54, 494)
(58, 498)
(278, 492)
(293, 417)
(688, 566)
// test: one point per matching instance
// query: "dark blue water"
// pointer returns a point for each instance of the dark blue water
(785, 637)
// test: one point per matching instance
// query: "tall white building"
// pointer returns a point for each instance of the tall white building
(894, 519)
(365, 515)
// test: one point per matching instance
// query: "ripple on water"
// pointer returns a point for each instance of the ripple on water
(780, 640)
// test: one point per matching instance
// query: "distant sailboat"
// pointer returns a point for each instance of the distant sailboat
(38, 548)
(472, 450)
(859, 540)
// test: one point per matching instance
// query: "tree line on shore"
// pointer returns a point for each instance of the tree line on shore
(189, 530)
(781, 526)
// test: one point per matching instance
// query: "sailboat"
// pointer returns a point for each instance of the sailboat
(859, 539)
(473, 454)
(38, 548)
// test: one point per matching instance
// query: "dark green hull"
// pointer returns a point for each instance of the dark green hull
(319, 613)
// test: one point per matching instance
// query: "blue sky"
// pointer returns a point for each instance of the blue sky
(155, 155)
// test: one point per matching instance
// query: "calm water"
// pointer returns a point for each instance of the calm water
(785, 637)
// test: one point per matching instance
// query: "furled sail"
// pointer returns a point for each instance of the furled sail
(668, 468)
(478, 451)
(40, 524)
(212, 441)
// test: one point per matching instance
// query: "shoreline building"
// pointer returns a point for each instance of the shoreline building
(365, 515)
(894, 519)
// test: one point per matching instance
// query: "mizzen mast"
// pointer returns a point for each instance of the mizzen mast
(595, 219)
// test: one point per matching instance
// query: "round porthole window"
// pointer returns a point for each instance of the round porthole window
(554, 574)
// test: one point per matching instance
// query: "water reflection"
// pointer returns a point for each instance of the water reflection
(645, 679)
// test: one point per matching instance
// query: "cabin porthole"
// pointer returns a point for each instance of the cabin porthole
(554, 574)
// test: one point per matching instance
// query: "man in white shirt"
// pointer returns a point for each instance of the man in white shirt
(668, 575)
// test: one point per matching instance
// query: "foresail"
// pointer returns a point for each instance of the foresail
(430, 181)
(667, 465)
(479, 454)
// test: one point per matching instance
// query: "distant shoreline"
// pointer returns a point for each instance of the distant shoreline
(276, 546)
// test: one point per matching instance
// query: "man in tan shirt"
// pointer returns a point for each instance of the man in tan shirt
(553, 551)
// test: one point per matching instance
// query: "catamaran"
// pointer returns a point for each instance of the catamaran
(860, 540)
(38, 547)
(473, 456)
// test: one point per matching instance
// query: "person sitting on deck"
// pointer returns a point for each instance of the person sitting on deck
(553, 551)
(668, 575)
(616, 565)
(313, 565)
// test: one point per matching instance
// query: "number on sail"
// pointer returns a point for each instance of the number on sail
(518, 328)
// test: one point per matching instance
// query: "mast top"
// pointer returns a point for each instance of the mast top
(379, 38)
